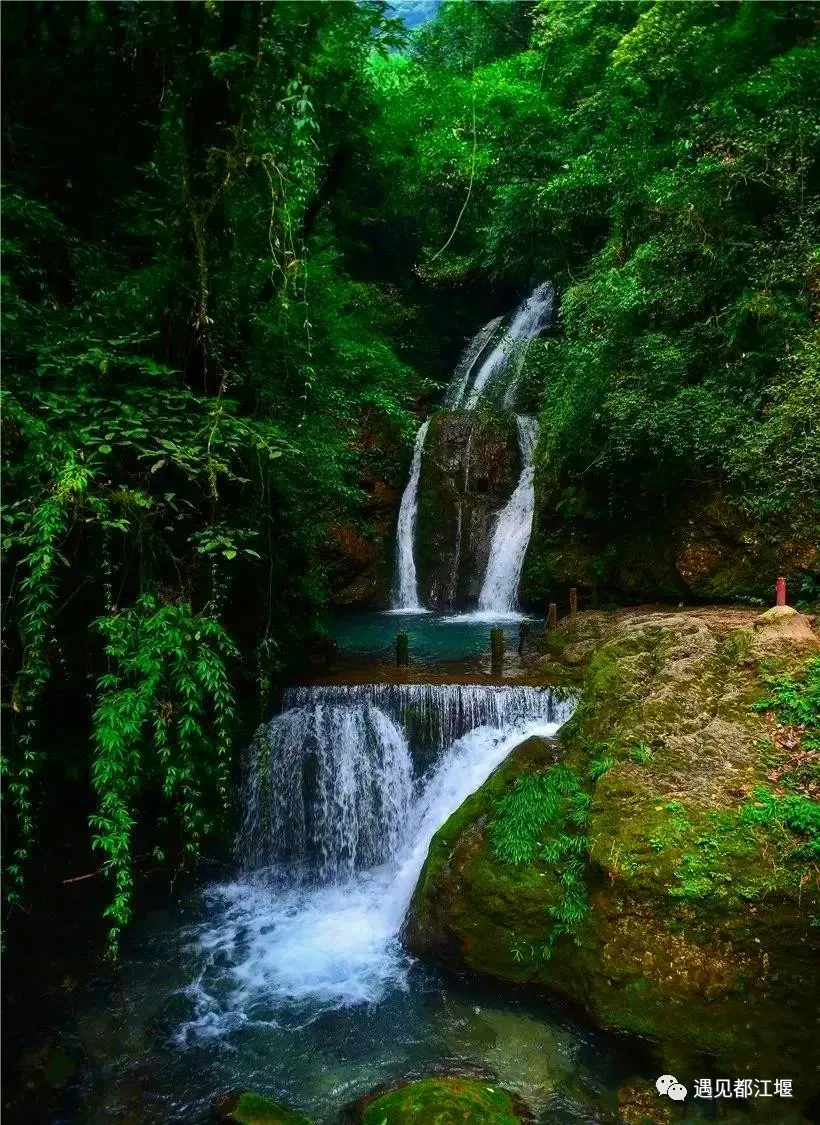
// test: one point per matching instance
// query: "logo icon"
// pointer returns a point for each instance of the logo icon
(668, 1086)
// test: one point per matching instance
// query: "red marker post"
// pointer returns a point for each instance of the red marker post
(780, 591)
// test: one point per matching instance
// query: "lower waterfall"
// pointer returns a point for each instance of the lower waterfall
(343, 793)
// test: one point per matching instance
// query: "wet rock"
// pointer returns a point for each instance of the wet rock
(439, 1101)
(246, 1108)
(469, 469)
(640, 1104)
(783, 627)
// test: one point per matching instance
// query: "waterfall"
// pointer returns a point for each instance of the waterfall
(491, 365)
(464, 368)
(341, 815)
(405, 595)
(511, 535)
(506, 359)
(327, 785)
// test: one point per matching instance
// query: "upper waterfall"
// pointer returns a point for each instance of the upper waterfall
(405, 591)
(499, 370)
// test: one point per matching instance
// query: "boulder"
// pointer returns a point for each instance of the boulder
(247, 1108)
(669, 898)
(469, 469)
(439, 1101)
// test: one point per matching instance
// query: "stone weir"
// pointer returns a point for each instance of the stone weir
(332, 779)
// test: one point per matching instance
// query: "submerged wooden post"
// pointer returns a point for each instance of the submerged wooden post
(573, 600)
(552, 616)
(402, 649)
(780, 591)
(523, 633)
(497, 650)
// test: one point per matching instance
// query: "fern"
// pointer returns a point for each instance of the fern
(799, 815)
(37, 593)
(556, 802)
(152, 722)
(796, 700)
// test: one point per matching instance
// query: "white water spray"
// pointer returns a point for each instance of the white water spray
(308, 936)
(406, 596)
(505, 361)
(511, 535)
(465, 365)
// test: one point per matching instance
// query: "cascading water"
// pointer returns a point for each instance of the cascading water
(405, 594)
(490, 367)
(511, 535)
(502, 366)
(341, 818)
(464, 368)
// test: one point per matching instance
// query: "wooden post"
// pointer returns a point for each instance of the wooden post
(523, 633)
(402, 649)
(780, 591)
(573, 600)
(552, 616)
(497, 650)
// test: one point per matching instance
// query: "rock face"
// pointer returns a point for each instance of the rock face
(360, 554)
(705, 549)
(664, 885)
(470, 466)
(438, 1101)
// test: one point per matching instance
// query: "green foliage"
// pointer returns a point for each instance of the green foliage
(698, 846)
(657, 161)
(195, 388)
(542, 819)
(599, 766)
(796, 701)
(799, 815)
(642, 754)
(162, 722)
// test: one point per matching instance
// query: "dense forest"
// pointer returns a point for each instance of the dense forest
(243, 245)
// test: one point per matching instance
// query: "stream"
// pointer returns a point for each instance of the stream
(290, 978)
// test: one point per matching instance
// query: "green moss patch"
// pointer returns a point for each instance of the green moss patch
(697, 872)
(442, 1101)
(247, 1108)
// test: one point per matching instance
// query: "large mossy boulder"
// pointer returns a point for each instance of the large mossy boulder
(654, 864)
(469, 469)
(439, 1101)
(247, 1108)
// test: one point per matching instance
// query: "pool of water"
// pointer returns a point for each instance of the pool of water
(183, 1028)
(432, 636)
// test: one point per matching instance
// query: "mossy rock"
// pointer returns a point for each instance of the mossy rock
(639, 1104)
(247, 1108)
(699, 927)
(440, 1101)
(469, 469)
